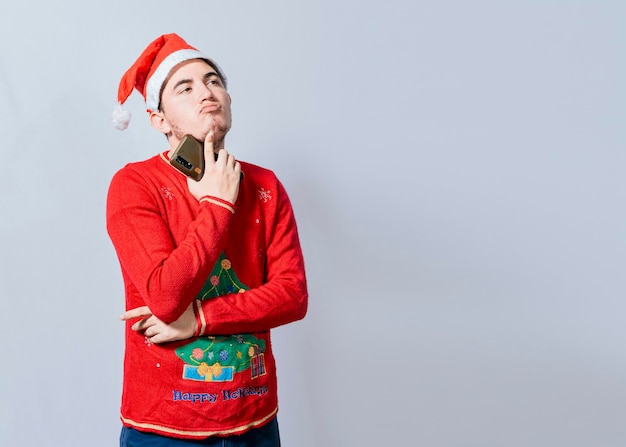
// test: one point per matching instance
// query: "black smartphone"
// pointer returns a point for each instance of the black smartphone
(188, 158)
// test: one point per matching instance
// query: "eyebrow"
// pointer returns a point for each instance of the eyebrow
(187, 81)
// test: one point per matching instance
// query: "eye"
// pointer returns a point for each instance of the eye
(214, 81)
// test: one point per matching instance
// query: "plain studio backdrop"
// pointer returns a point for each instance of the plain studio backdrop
(457, 172)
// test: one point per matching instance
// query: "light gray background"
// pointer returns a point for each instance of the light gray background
(457, 171)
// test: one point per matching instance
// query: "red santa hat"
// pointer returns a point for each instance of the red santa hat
(150, 71)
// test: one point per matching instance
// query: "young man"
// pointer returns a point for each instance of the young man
(209, 267)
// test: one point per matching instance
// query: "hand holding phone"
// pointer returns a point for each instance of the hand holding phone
(188, 157)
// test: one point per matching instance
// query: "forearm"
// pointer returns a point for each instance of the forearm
(278, 297)
(168, 273)
(274, 304)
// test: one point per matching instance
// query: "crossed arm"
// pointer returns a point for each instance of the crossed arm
(166, 278)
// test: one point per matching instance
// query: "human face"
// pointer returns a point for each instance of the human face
(194, 101)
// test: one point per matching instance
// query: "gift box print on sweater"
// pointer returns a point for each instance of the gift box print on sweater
(217, 359)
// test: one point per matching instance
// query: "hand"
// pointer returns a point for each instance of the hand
(158, 331)
(221, 177)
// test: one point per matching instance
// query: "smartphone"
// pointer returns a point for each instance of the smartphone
(188, 158)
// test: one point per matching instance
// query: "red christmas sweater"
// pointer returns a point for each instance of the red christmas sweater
(244, 272)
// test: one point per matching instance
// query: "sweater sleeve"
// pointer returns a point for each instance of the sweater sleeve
(282, 299)
(168, 278)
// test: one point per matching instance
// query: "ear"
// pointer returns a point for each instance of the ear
(159, 122)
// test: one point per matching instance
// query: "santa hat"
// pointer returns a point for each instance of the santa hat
(150, 70)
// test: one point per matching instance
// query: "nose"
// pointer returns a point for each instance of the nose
(206, 92)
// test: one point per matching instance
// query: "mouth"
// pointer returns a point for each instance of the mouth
(209, 108)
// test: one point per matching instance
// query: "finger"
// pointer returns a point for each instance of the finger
(222, 156)
(231, 160)
(144, 324)
(209, 156)
(150, 332)
(137, 312)
(156, 339)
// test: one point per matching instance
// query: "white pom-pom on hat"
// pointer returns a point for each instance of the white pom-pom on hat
(121, 117)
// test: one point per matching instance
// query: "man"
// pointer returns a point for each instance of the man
(209, 267)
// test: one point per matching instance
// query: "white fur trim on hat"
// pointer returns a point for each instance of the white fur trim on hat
(153, 88)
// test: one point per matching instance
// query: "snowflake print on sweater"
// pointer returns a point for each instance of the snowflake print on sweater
(264, 195)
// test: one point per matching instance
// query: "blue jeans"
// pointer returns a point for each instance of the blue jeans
(265, 436)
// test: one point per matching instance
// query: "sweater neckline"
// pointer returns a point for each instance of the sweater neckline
(163, 156)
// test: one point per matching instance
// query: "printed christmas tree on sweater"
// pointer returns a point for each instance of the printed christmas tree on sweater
(217, 359)
(222, 281)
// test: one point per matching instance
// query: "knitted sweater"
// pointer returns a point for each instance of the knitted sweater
(244, 274)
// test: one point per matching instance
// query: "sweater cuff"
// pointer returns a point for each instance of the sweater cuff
(200, 321)
(220, 202)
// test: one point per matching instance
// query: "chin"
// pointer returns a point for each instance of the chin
(220, 131)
